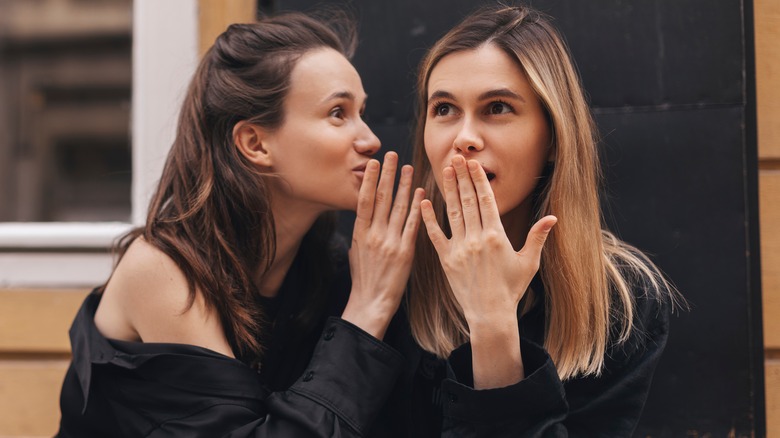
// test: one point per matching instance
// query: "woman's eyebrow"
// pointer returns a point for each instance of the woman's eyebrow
(440, 94)
(345, 95)
(340, 95)
(501, 92)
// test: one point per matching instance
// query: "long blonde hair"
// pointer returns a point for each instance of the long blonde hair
(588, 273)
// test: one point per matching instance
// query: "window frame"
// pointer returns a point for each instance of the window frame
(77, 254)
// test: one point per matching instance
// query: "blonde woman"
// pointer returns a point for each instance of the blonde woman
(535, 321)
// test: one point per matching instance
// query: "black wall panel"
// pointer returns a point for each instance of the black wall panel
(671, 85)
(638, 53)
(690, 217)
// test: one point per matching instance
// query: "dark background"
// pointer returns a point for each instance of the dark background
(672, 86)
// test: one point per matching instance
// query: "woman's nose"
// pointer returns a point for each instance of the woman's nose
(468, 139)
(367, 143)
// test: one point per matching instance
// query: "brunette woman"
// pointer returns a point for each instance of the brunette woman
(519, 340)
(214, 322)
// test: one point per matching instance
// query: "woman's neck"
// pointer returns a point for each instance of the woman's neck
(291, 223)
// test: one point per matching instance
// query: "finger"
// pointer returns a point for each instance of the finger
(487, 201)
(384, 192)
(365, 206)
(401, 203)
(468, 196)
(452, 199)
(413, 220)
(438, 239)
(534, 243)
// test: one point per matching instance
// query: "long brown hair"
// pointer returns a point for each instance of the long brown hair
(587, 272)
(211, 212)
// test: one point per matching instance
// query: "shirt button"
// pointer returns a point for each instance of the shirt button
(452, 397)
(428, 367)
(329, 333)
(308, 376)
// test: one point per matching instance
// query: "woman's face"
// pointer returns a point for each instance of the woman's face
(481, 106)
(323, 145)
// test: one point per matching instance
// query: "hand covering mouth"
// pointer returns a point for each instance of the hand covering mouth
(490, 174)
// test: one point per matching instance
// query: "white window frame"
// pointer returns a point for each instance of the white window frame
(62, 255)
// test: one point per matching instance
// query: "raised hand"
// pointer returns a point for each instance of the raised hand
(380, 258)
(487, 276)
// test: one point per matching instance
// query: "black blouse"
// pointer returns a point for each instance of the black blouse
(328, 382)
(435, 397)
(337, 381)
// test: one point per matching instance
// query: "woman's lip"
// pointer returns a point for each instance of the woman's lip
(359, 172)
(488, 172)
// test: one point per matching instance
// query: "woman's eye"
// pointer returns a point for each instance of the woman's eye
(337, 112)
(442, 109)
(499, 108)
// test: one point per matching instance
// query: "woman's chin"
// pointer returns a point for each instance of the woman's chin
(348, 205)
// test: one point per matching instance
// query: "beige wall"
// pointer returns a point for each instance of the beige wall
(34, 353)
(215, 15)
(767, 28)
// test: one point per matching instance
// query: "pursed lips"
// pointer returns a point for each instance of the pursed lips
(360, 170)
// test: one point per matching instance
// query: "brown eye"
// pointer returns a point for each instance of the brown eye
(499, 108)
(442, 109)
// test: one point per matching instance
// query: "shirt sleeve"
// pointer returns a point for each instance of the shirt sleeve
(350, 376)
(541, 405)
(531, 407)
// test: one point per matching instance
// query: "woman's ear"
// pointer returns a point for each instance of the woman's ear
(250, 140)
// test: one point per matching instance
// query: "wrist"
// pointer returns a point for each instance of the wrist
(496, 357)
(502, 323)
(372, 316)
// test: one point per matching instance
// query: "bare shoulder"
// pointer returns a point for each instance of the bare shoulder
(147, 299)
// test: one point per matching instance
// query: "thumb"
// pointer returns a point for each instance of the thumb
(534, 243)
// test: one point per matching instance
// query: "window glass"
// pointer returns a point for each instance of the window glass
(65, 88)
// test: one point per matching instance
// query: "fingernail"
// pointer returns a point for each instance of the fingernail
(473, 165)
(372, 165)
(406, 170)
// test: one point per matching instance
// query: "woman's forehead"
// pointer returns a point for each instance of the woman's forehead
(322, 73)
